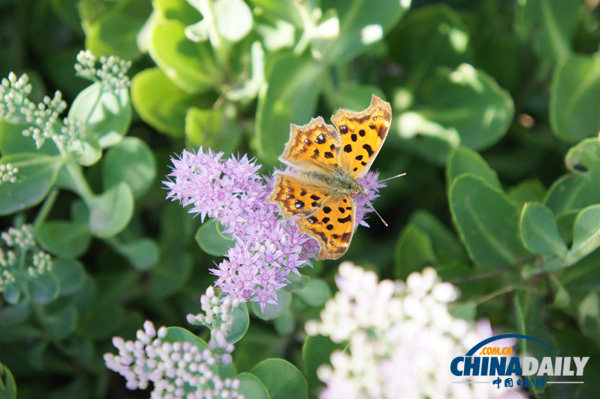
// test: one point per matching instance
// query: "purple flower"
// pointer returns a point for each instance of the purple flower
(267, 247)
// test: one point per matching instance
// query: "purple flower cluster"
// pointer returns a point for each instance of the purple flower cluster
(267, 247)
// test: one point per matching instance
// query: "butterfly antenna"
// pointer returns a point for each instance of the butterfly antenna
(393, 177)
(377, 213)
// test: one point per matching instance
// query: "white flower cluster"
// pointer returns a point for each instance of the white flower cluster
(8, 173)
(18, 242)
(177, 369)
(112, 72)
(217, 316)
(13, 94)
(402, 338)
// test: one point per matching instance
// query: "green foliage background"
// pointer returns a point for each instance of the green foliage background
(496, 114)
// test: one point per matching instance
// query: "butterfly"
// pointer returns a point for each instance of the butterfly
(328, 162)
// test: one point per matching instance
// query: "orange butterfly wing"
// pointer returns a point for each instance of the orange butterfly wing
(362, 135)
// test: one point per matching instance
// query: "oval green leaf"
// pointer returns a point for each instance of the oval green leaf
(492, 238)
(463, 160)
(315, 293)
(586, 234)
(44, 288)
(71, 275)
(252, 387)
(287, 98)
(539, 231)
(189, 65)
(575, 95)
(282, 379)
(106, 116)
(272, 311)
(211, 240)
(63, 238)
(131, 161)
(111, 211)
(241, 322)
(35, 176)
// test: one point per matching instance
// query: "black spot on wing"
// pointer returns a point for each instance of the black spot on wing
(315, 197)
(312, 220)
(346, 237)
(326, 209)
(361, 133)
(359, 157)
(320, 139)
(328, 154)
(343, 129)
(353, 137)
(369, 150)
(347, 148)
(346, 219)
(299, 204)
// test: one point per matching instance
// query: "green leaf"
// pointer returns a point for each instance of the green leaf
(430, 37)
(527, 191)
(61, 323)
(251, 387)
(211, 240)
(8, 387)
(586, 234)
(105, 115)
(285, 324)
(189, 65)
(466, 161)
(551, 25)
(575, 97)
(131, 161)
(281, 9)
(170, 274)
(315, 293)
(180, 10)
(352, 96)
(539, 231)
(63, 238)
(12, 294)
(361, 23)
(272, 311)
(160, 102)
(111, 211)
(297, 283)
(287, 98)
(473, 112)
(70, 275)
(44, 288)
(233, 19)
(492, 238)
(143, 253)
(178, 334)
(14, 314)
(35, 176)
(115, 32)
(282, 379)
(445, 244)
(12, 141)
(414, 251)
(213, 128)
(316, 351)
(580, 188)
(241, 321)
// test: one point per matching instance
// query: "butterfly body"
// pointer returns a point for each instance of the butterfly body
(329, 161)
